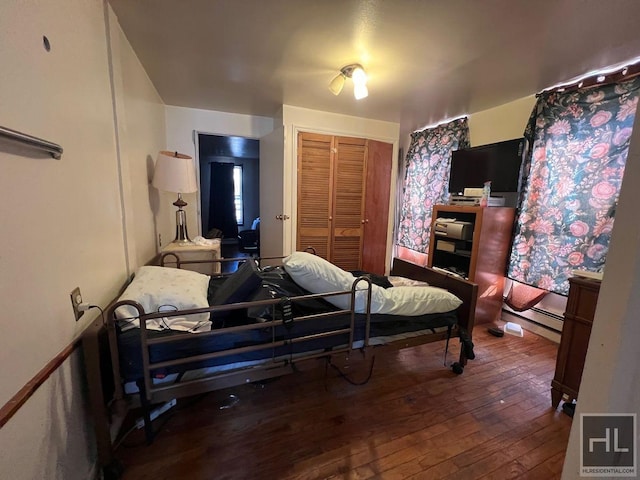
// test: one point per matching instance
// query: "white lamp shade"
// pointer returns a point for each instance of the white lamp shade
(175, 172)
(360, 91)
(359, 76)
(336, 84)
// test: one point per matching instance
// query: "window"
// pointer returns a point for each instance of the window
(237, 194)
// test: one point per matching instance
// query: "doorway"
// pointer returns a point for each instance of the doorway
(229, 186)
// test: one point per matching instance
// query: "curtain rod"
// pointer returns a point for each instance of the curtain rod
(622, 74)
(53, 149)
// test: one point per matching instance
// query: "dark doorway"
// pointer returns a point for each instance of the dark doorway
(229, 185)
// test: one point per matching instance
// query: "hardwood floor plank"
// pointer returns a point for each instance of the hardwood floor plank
(413, 419)
(506, 472)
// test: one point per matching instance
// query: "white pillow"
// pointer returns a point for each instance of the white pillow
(167, 289)
(318, 275)
(405, 282)
(420, 300)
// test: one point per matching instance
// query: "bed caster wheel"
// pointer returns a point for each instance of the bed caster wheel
(457, 368)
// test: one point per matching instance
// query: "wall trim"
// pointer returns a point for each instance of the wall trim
(10, 408)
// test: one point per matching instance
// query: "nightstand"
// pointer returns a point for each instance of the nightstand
(195, 252)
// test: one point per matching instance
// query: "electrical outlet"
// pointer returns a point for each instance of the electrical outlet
(76, 300)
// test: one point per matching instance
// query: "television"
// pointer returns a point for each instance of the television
(497, 162)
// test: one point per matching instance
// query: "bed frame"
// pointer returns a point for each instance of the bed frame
(463, 289)
(109, 403)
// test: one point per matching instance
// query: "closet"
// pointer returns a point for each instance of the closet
(344, 185)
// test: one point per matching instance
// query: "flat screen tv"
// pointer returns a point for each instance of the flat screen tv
(498, 162)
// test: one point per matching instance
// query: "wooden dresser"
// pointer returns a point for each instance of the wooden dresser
(576, 330)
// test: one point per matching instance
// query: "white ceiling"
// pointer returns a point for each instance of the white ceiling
(427, 60)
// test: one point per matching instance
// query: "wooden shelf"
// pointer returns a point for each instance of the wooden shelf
(485, 262)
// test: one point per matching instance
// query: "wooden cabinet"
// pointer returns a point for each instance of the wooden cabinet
(343, 199)
(477, 248)
(576, 331)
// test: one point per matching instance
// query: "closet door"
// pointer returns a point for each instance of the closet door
(315, 166)
(376, 214)
(350, 171)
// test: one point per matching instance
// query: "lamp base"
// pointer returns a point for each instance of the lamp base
(182, 237)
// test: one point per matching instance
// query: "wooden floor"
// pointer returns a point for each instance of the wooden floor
(414, 419)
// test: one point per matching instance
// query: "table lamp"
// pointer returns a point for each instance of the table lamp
(176, 173)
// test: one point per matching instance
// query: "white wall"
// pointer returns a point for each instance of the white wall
(501, 123)
(63, 219)
(181, 123)
(141, 134)
(297, 119)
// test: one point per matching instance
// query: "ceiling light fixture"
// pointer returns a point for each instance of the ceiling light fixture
(356, 73)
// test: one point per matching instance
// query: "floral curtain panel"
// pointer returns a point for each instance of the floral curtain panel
(578, 143)
(427, 179)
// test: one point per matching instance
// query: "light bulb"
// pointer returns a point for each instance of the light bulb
(359, 76)
(359, 83)
(360, 91)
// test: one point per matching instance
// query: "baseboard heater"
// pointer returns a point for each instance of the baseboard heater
(543, 318)
(547, 313)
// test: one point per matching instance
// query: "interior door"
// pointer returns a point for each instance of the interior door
(273, 214)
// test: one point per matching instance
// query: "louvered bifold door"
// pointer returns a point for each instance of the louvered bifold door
(314, 193)
(348, 201)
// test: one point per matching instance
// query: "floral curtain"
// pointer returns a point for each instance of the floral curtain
(577, 149)
(427, 179)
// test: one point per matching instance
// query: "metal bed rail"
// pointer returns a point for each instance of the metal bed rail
(146, 342)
